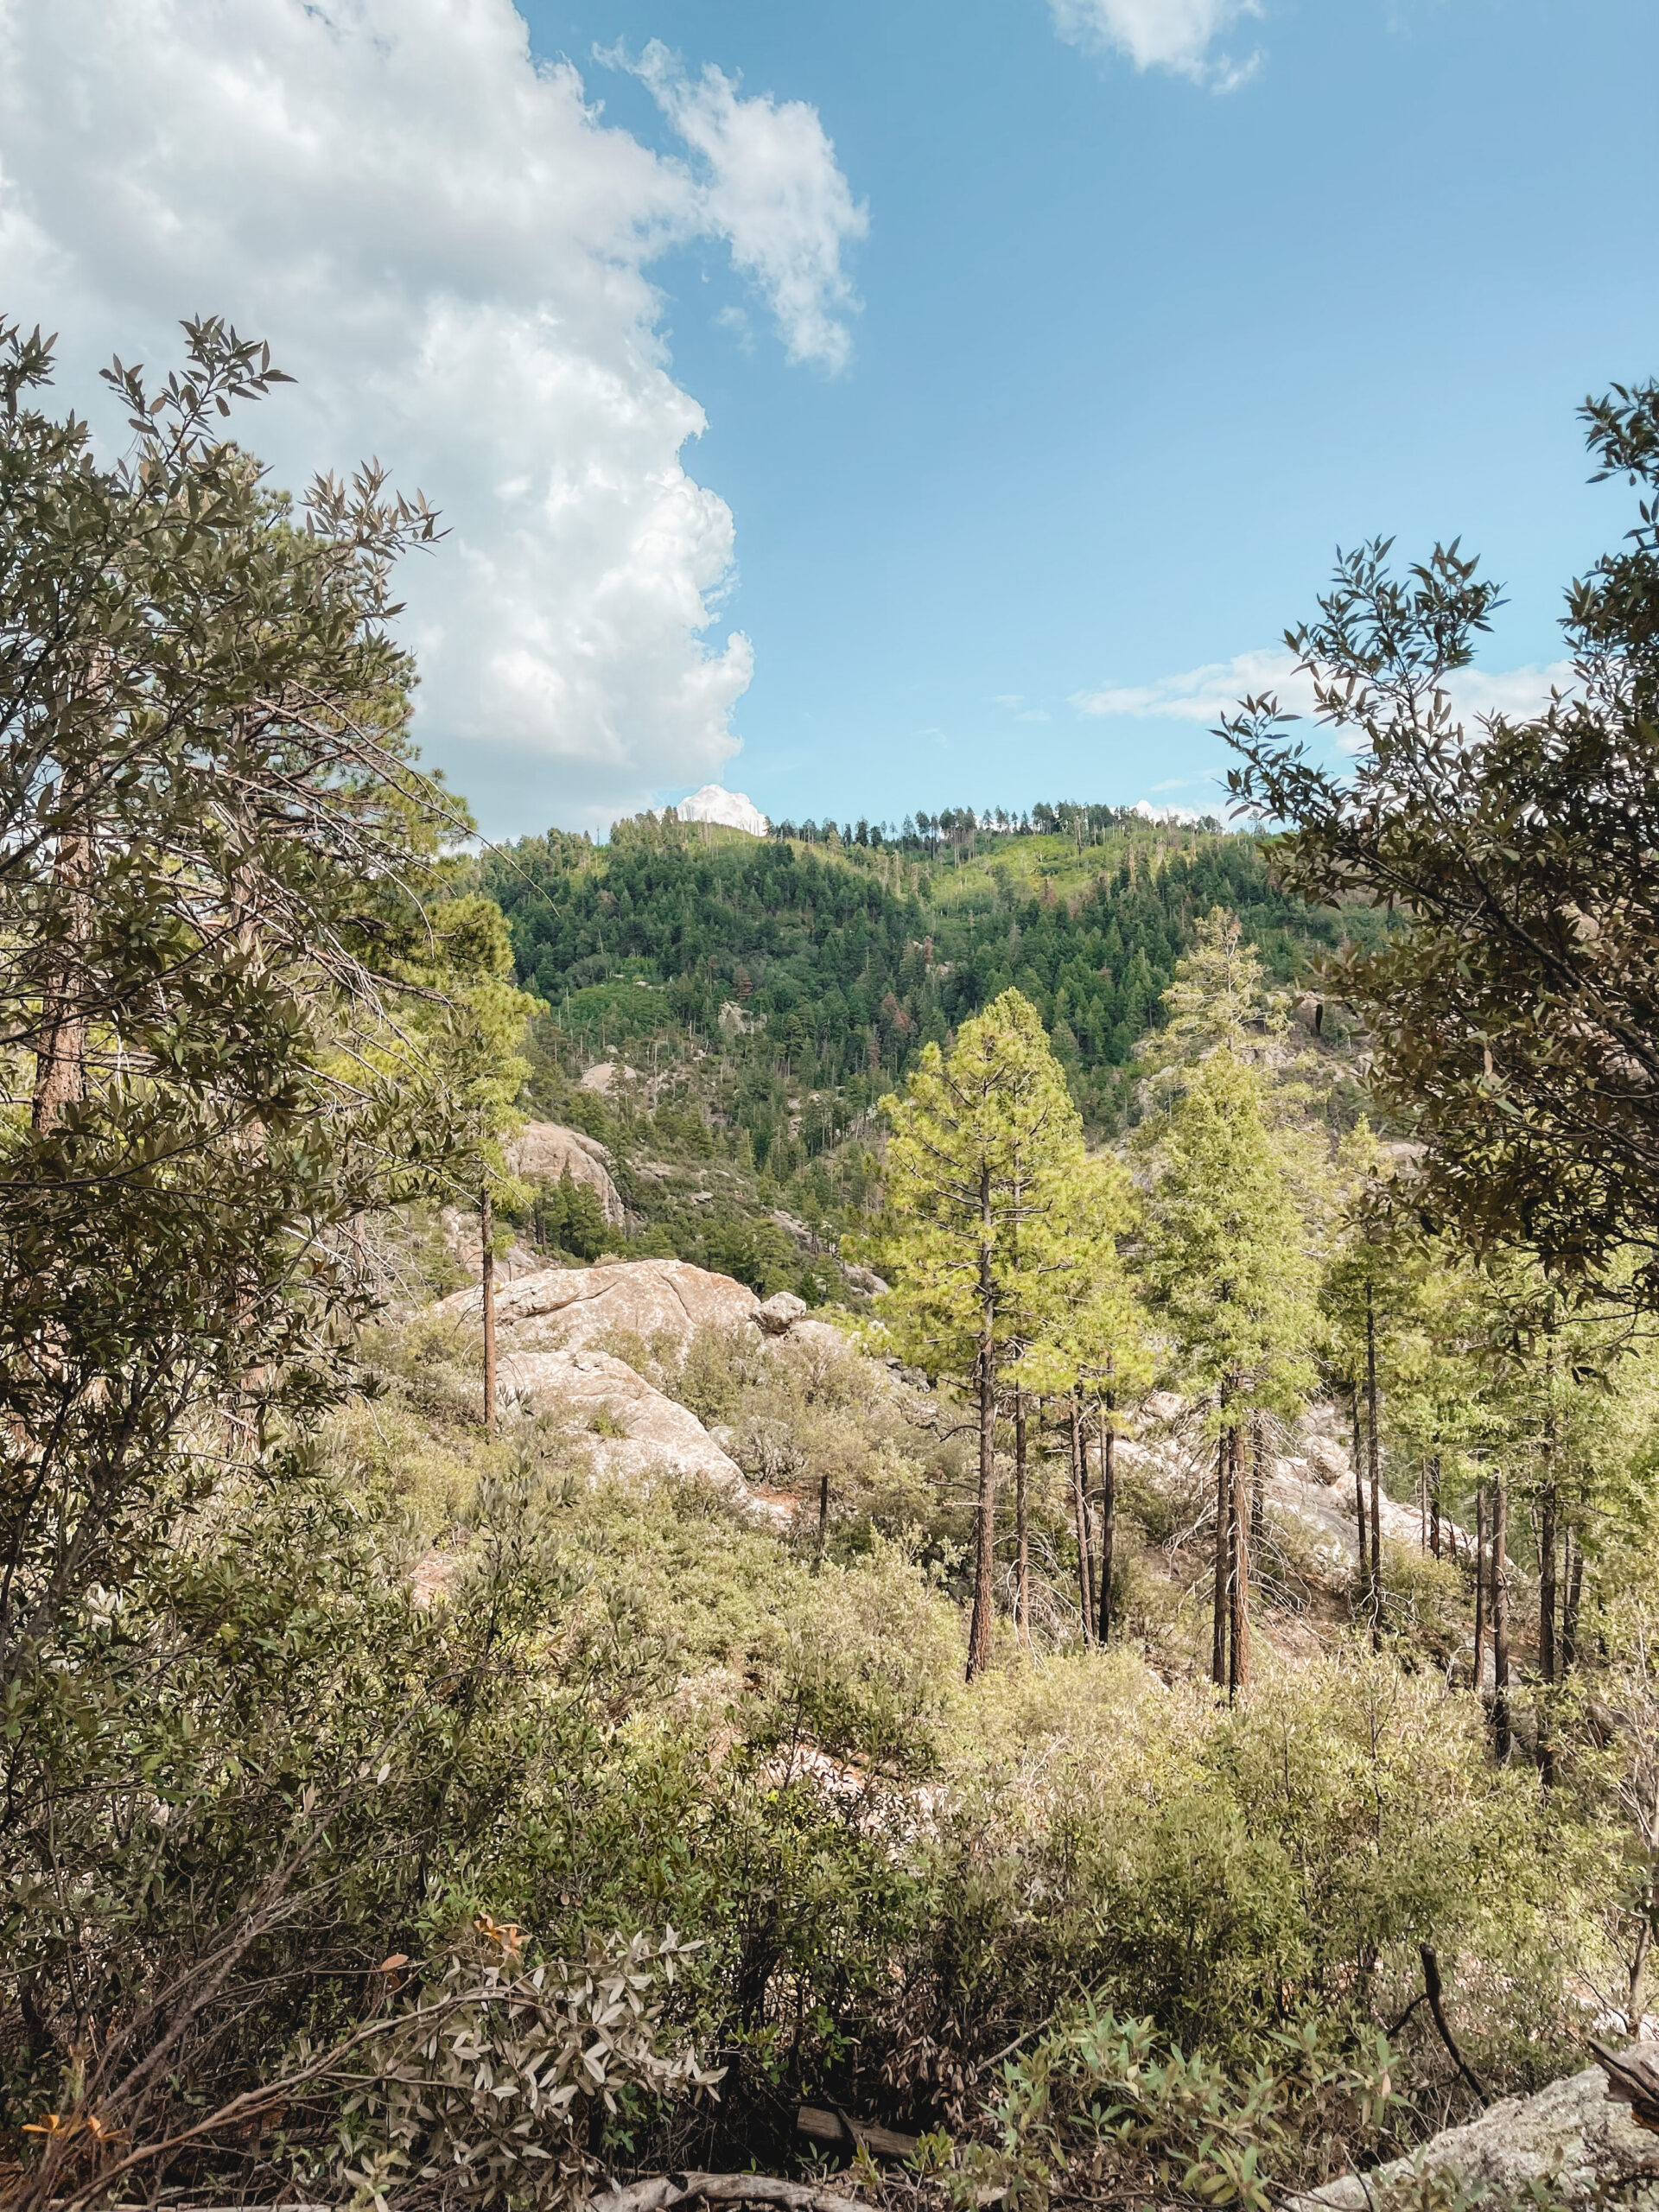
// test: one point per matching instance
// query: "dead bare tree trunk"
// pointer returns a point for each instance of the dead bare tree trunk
(1258, 1482)
(979, 1630)
(1022, 1527)
(486, 1284)
(1108, 1516)
(1481, 1585)
(1570, 1605)
(1080, 1516)
(61, 1054)
(1224, 1559)
(1374, 1459)
(1500, 1620)
(1238, 1658)
(1359, 1497)
(1435, 1506)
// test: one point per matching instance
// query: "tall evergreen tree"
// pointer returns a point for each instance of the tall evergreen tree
(983, 1143)
(1089, 1346)
(1232, 1281)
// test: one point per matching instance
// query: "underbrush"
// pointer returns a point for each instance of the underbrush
(627, 1714)
(1081, 1916)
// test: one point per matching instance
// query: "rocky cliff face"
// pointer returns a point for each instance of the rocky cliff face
(543, 1152)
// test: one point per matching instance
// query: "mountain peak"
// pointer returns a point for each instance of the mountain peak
(735, 810)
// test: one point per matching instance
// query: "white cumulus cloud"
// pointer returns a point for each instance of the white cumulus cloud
(450, 249)
(1205, 695)
(1178, 34)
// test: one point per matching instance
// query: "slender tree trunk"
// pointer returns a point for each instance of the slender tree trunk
(1435, 1506)
(1636, 2011)
(1238, 1658)
(1500, 1618)
(1223, 1559)
(1360, 1498)
(1480, 1586)
(61, 1056)
(1374, 1461)
(979, 1633)
(1547, 1541)
(1547, 1663)
(487, 1285)
(1021, 1523)
(1258, 1482)
(1570, 1606)
(1108, 1516)
(1080, 1517)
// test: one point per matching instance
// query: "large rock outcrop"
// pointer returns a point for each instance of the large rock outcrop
(631, 1432)
(565, 1308)
(1571, 2129)
(543, 1152)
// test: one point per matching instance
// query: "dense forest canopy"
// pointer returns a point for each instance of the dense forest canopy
(854, 961)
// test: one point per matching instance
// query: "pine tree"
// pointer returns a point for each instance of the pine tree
(983, 1144)
(1089, 1347)
(1231, 1280)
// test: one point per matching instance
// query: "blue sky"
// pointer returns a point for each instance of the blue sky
(1135, 355)
(881, 407)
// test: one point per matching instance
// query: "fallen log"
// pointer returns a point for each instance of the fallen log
(839, 2131)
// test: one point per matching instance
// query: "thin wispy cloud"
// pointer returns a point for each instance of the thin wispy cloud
(1206, 694)
(1184, 36)
(771, 187)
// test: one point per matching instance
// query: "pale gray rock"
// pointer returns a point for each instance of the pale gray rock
(565, 1307)
(780, 1312)
(543, 1152)
(631, 1432)
(1571, 2129)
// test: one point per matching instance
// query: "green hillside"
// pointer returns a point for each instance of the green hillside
(845, 959)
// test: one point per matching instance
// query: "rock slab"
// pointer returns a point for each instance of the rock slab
(1571, 2129)
(632, 1433)
(568, 1307)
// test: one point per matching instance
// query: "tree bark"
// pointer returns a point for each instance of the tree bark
(1546, 1665)
(487, 1285)
(1373, 1462)
(1435, 1506)
(1547, 1541)
(1570, 1605)
(979, 1632)
(1258, 1482)
(1359, 1497)
(1080, 1517)
(1021, 1523)
(1238, 1656)
(1108, 1516)
(61, 1055)
(1480, 1586)
(1224, 1506)
(1500, 1620)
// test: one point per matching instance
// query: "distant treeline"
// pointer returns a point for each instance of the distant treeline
(846, 975)
(965, 829)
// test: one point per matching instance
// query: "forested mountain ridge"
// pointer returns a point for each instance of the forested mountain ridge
(852, 957)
